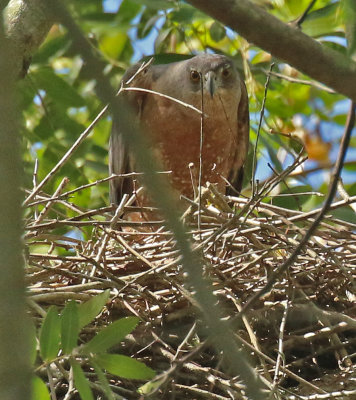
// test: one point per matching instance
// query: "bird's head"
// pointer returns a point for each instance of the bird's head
(211, 72)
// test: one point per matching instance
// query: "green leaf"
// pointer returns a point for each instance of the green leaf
(110, 335)
(351, 190)
(112, 44)
(39, 389)
(217, 31)
(148, 20)
(324, 21)
(90, 309)
(103, 380)
(184, 14)
(81, 382)
(291, 197)
(350, 24)
(162, 38)
(50, 335)
(52, 47)
(69, 327)
(150, 386)
(166, 58)
(124, 366)
(345, 213)
(155, 4)
(97, 166)
(128, 11)
(57, 88)
(334, 46)
(33, 342)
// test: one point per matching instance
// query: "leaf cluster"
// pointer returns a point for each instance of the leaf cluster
(58, 342)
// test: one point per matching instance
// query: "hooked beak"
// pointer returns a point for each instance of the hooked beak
(210, 82)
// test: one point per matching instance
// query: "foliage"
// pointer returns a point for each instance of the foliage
(58, 341)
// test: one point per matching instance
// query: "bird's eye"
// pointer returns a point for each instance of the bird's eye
(194, 76)
(226, 72)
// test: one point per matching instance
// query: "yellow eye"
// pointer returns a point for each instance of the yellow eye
(194, 76)
(226, 72)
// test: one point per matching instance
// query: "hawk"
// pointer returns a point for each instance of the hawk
(207, 81)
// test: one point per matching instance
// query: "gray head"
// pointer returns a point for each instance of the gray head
(214, 72)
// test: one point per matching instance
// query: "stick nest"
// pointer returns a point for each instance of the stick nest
(301, 337)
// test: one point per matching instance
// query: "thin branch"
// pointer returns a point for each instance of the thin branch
(254, 162)
(201, 147)
(298, 22)
(300, 81)
(182, 103)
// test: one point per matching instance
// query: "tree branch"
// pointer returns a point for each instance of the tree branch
(27, 25)
(14, 330)
(284, 42)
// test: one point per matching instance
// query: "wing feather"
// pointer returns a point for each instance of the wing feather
(120, 161)
(243, 132)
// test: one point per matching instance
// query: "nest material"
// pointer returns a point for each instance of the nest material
(301, 336)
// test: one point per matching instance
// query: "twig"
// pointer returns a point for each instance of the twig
(301, 81)
(201, 142)
(51, 384)
(280, 355)
(254, 162)
(298, 22)
(182, 103)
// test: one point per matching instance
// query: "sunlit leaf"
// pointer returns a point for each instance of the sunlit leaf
(39, 389)
(113, 43)
(150, 386)
(324, 21)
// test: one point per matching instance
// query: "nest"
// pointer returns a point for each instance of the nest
(300, 337)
